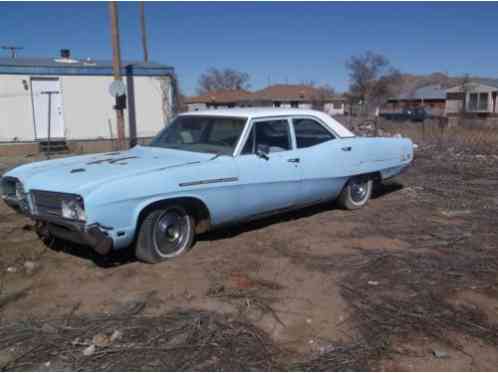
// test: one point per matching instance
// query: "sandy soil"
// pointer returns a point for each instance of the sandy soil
(282, 273)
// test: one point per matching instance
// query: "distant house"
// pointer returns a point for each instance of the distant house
(279, 95)
(218, 100)
(299, 96)
(431, 97)
(81, 108)
(475, 97)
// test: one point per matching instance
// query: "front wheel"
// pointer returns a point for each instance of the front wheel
(356, 193)
(165, 233)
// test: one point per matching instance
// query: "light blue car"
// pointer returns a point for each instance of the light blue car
(204, 170)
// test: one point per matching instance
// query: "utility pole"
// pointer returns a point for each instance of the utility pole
(116, 69)
(13, 50)
(143, 31)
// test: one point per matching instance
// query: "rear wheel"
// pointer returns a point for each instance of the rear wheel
(165, 233)
(356, 193)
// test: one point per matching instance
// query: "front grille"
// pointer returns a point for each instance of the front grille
(47, 203)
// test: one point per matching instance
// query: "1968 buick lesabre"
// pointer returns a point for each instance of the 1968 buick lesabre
(203, 170)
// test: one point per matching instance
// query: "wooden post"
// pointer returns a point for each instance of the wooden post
(143, 32)
(116, 68)
(423, 131)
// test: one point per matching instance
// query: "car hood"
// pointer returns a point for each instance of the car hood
(83, 174)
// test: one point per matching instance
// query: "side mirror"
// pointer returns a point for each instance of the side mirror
(262, 151)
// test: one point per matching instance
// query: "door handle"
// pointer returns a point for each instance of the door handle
(347, 149)
(294, 160)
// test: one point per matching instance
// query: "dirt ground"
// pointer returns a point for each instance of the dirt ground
(407, 283)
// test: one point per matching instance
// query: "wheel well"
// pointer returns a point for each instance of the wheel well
(375, 176)
(194, 206)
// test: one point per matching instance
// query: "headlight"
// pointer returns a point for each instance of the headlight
(73, 209)
(9, 187)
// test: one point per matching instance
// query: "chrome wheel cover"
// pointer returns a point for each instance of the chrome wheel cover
(359, 190)
(171, 233)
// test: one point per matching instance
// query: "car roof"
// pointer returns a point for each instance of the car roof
(255, 113)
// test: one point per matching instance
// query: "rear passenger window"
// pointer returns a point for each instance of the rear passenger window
(309, 132)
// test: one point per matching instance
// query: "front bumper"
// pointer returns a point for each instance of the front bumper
(12, 203)
(93, 235)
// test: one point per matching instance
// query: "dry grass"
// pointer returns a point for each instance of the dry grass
(179, 341)
(476, 140)
(469, 136)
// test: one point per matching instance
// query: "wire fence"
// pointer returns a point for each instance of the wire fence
(478, 137)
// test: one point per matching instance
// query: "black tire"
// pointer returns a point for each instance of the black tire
(46, 237)
(351, 198)
(165, 233)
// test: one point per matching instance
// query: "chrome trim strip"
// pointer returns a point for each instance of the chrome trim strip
(242, 138)
(209, 181)
(74, 224)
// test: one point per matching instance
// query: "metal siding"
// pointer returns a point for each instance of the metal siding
(82, 70)
(16, 110)
(88, 107)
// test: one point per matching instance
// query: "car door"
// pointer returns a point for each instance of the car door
(269, 168)
(322, 160)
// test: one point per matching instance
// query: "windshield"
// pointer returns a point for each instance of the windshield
(204, 134)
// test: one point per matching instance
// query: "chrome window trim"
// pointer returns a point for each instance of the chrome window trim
(242, 138)
(319, 121)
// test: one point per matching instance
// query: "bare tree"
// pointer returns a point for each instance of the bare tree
(371, 77)
(226, 79)
(322, 95)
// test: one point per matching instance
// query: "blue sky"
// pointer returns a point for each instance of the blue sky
(276, 42)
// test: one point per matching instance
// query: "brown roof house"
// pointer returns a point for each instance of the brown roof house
(278, 95)
(431, 97)
(218, 100)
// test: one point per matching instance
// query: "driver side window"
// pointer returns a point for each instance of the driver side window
(270, 136)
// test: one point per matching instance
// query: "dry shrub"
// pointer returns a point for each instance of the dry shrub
(462, 138)
(183, 340)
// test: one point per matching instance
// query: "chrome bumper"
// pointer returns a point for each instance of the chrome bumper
(93, 235)
(13, 203)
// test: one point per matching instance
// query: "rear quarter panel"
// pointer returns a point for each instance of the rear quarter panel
(378, 154)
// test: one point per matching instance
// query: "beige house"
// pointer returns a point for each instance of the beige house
(278, 96)
(473, 98)
(218, 100)
(81, 107)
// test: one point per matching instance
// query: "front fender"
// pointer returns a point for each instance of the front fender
(119, 204)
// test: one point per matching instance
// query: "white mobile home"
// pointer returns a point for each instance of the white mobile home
(81, 106)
